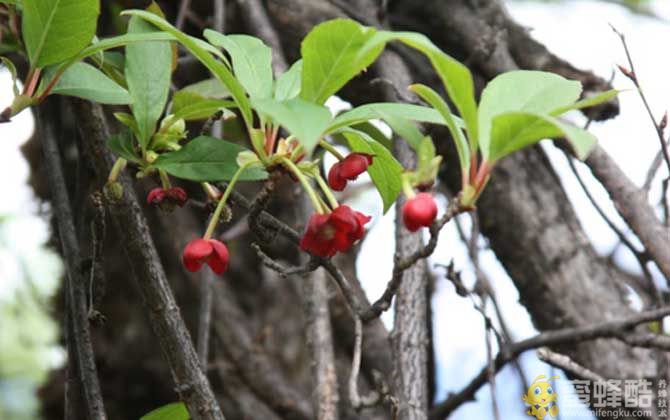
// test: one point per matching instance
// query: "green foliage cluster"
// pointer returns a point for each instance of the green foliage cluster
(516, 110)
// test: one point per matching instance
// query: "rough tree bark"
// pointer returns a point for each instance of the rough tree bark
(260, 363)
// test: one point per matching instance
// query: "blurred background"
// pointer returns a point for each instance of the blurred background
(578, 31)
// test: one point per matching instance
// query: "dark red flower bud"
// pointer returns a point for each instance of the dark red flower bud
(628, 73)
(348, 169)
(664, 121)
(177, 195)
(327, 234)
(210, 251)
(155, 196)
(419, 211)
(167, 198)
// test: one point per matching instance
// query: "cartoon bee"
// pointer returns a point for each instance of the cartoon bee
(541, 398)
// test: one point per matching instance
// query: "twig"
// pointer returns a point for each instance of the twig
(205, 317)
(270, 222)
(358, 401)
(181, 15)
(658, 126)
(564, 362)
(491, 371)
(259, 204)
(653, 169)
(98, 228)
(219, 15)
(631, 203)
(78, 335)
(400, 265)
(162, 310)
(641, 257)
(484, 283)
(310, 266)
(610, 329)
(320, 343)
(632, 75)
(664, 201)
(256, 17)
(646, 340)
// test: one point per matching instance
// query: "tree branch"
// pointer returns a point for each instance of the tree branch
(78, 333)
(162, 310)
(401, 265)
(320, 345)
(611, 329)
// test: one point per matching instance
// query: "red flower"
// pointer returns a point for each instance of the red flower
(327, 234)
(348, 169)
(419, 211)
(210, 251)
(167, 198)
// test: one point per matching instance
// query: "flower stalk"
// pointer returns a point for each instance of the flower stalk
(214, 221)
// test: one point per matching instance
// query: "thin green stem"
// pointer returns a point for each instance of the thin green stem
(305, 184)
(326, 190)
(214, 221)
(165, 180)
(407, 187)
(257, 138)
(330, 148)
(297, 152)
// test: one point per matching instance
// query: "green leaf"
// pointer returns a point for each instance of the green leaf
(455, 77)
(288, 84)
(405, 129)
(113, 42)
(207, 159)
(174, 411)
(120, 41)
(594, 100)
(208, 88)
(523, 91)
(85, 81)
(191, 106)
(426, 153)
(514, 131)
(112, 64)
(385, 171)
(373, 131)
(122, 145)
(333, 54)
(129, 121)
(204, 54)
(148, 70)
(55, 30)
(385, 110)
(304, 120)
(436, 101)
(252, 61)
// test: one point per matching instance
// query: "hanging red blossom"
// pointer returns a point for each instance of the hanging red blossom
(419, 211)
(327, 234)
(210, 251)
(167, 197)
(348, 169)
